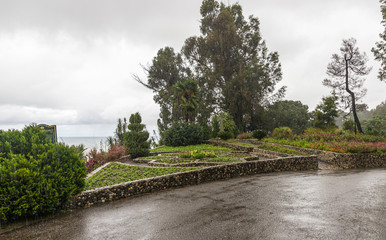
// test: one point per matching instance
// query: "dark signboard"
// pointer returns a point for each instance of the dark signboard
(50, 132)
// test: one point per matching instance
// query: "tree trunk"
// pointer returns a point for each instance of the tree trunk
(354, 111)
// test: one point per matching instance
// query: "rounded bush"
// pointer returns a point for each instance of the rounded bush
(282, 133)
(259, 134)
(225, 135)
(183, 134)
(348, 125)
(39, 178)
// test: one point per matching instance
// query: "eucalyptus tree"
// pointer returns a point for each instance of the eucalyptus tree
(346, 71)
(166, 70)
(380, 47)
(232, 63)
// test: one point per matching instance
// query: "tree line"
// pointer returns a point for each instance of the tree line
(228, 69)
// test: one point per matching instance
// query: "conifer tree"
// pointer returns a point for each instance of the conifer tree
(136, 139)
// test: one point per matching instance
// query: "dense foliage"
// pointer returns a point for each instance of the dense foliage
(227, 127)
(227, 68)
(259, 134)
(376, 126)
(36, 177)
(282, 132)
(380, 47)
(183, 134)
(136, 138)
(288, 113)
(325, 113)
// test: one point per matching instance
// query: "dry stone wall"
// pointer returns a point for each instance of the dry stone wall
(342, 160)
(124, 190)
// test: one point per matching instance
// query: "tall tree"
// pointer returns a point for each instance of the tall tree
(167, 69)
(379, 50)
(346, 71)
(232, 63)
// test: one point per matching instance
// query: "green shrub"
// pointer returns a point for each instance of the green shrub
(215, 126)
(223, 126)
(225, 135)
(206, 131)
(136, 139)
(376, 126)
(259, 134)
(349, 125)
(183, 134)
(282, 133)
(39, 178)
(244, 136)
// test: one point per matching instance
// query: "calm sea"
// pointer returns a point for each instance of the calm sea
(88, 142)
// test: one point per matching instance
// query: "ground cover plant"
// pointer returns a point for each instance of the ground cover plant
(197, 155)
(335, 141)
(280, 149)
(233, 141)
(221, 157)
(274, 148)
(116, 173)
(200, 147)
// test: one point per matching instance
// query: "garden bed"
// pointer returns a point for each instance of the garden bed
(189, 177)
(341, 160)
(116, 173)
(179, 159)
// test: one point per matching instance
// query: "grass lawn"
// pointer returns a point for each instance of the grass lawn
(270, 147)
(221, 156)
(117, 173)
(201, 147)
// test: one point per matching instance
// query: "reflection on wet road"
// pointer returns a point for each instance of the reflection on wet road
(324, 204)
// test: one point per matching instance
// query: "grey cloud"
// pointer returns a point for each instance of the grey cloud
(69, 61)
(150, 20)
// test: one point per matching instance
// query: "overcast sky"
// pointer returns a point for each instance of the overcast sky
(69, 62)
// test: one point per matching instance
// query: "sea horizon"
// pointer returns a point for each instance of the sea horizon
(87, 141)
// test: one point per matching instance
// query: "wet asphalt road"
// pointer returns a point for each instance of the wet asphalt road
(324, 204)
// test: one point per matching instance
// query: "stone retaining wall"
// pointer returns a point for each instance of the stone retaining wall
(123, 190)
(255, 151)
(342, 160)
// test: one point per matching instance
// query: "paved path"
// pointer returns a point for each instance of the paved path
(324, 204)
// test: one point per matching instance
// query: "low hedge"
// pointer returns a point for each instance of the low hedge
(36, 177)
